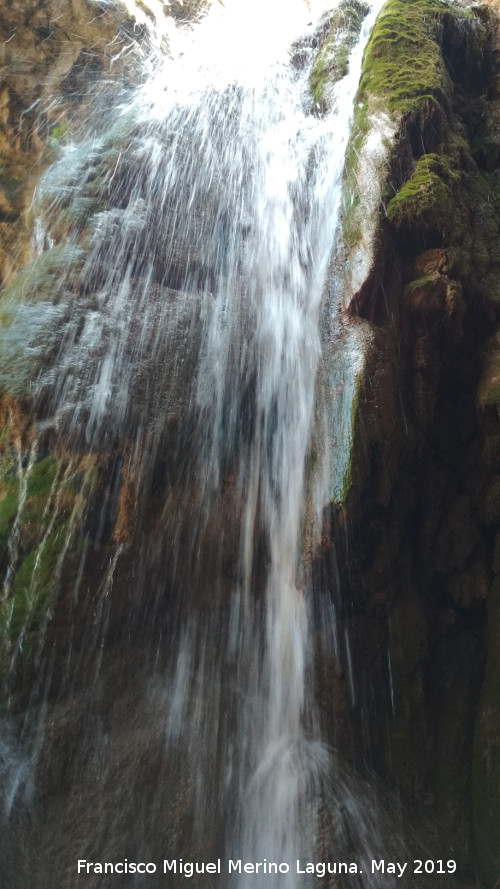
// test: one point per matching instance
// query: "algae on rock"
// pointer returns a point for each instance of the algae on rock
(426, 195)
(331, 62)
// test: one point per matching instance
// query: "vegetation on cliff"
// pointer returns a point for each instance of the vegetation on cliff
(330, 64)
(422, 500)
(426, 194)
(403, 65)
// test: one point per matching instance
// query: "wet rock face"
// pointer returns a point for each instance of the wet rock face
(53, 56)
(417, 530)
(335, 35)
(99, 457)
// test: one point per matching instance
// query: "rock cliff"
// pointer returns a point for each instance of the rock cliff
(417, 521)
(54, 58)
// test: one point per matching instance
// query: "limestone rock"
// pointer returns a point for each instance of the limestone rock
(52, 57)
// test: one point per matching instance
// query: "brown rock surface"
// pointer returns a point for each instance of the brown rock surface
(52, 56)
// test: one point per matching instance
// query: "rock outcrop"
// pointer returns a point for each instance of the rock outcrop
(416, 523)
(53, 57)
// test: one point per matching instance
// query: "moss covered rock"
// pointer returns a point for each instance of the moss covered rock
(421, 234)
(426, 195)
(403, 64)
(331, 62)
(36, 504)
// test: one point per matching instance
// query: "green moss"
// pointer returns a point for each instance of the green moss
(402, 62)
(418, 283)
(331, 63)
(27, 580)
(359, 131)
(59, 133)
(41, 477)
(99, 177)
(43, 528)
(8, 458)
(39, 485)
(311, 461)
(32, 589)
(9, 495)
(403, 72)
(350, 222)
(426, 194)
(38, 504)
(329, 67)
(351, 226)
(81, 184)
(74, 217)
(317, 79)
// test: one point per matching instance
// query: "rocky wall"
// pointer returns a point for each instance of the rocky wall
(55, 57)
(416, 526)
(52, 58)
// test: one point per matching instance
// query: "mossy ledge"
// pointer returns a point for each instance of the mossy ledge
(403, 64)
(426, 193)
(331, 62)
(404, 79)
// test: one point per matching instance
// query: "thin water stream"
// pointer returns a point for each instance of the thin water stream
(188, 241)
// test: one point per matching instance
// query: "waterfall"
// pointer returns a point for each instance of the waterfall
(172, 312)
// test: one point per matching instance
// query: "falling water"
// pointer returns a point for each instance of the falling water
(190, 237)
